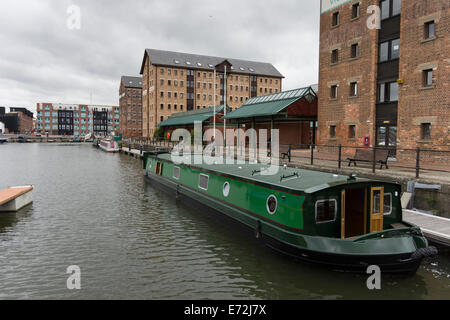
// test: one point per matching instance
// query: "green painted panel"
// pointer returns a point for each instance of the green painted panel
(247, 197)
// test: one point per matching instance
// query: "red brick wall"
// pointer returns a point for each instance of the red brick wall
(345, 110)
(418, 104)
(130, 111)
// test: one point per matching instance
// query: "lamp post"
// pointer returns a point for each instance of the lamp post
(214, 98)
(225, 106)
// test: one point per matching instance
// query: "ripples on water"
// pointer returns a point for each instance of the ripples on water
(132, 241)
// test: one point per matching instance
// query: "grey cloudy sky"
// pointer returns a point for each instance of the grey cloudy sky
(41, 60)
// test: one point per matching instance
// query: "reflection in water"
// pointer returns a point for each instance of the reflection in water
(133, 241)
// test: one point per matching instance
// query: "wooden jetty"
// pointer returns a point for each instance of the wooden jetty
(15, 198)
(436, 229)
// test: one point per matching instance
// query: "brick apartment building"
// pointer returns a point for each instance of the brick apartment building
(386, 87)
(77, 120)
(130, 102)
(17, 121)
(175, 82)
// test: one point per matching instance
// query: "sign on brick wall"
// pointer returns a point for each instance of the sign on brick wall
(326, 5)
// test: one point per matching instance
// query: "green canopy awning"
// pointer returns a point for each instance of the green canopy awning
(271, 104)
(190, 117)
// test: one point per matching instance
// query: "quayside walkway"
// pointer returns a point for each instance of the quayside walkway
(436, 229)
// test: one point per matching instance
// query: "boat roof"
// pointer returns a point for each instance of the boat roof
(300, 180)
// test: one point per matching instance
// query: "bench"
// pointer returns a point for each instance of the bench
(366, 155)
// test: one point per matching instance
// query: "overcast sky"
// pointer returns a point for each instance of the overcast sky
(42, 60)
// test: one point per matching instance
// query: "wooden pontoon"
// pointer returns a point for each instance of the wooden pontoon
(15, 198)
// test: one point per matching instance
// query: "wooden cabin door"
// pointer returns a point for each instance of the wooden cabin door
(376, 209)
(158, 168)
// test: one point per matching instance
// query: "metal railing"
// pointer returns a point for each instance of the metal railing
(416, 160)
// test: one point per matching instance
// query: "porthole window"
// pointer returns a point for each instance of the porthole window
(271, 204)
(226, 189)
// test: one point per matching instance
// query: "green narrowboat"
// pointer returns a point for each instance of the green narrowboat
(343, 222)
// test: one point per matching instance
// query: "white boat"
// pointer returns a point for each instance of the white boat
(15, 198)
(109, 145)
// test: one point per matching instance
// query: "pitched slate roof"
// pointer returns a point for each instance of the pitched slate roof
(271, 104)
(201, 62)
(132, 82)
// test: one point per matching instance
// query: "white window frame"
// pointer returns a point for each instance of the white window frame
(226, 194)
(335, 210)
(276, 204)
(207, 183)
(390, 204)
(179, 173)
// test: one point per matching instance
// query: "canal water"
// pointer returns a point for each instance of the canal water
(131, 241)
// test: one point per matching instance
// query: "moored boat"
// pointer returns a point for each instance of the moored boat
(109, 145)
(343, 222)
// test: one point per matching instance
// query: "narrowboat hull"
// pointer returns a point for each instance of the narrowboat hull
(109, 146)
(401, 254)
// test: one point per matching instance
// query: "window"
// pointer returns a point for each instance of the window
(356, 10)
(332, 132)
(334, 91)
(428, 78)
(396, 7)
(335, 56)
(429, 30)
(176, 173)
(335, 19)
(385, 9)
(390, 8)
(203, 181)
(326, 210)
(351, 131)
(355, 50)
(271, 204)
(226, 189)
(425, 131)
(395, 49)
(389, 50)
(388, 92)
(353, 89)
(387, 204)
(393, 91)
